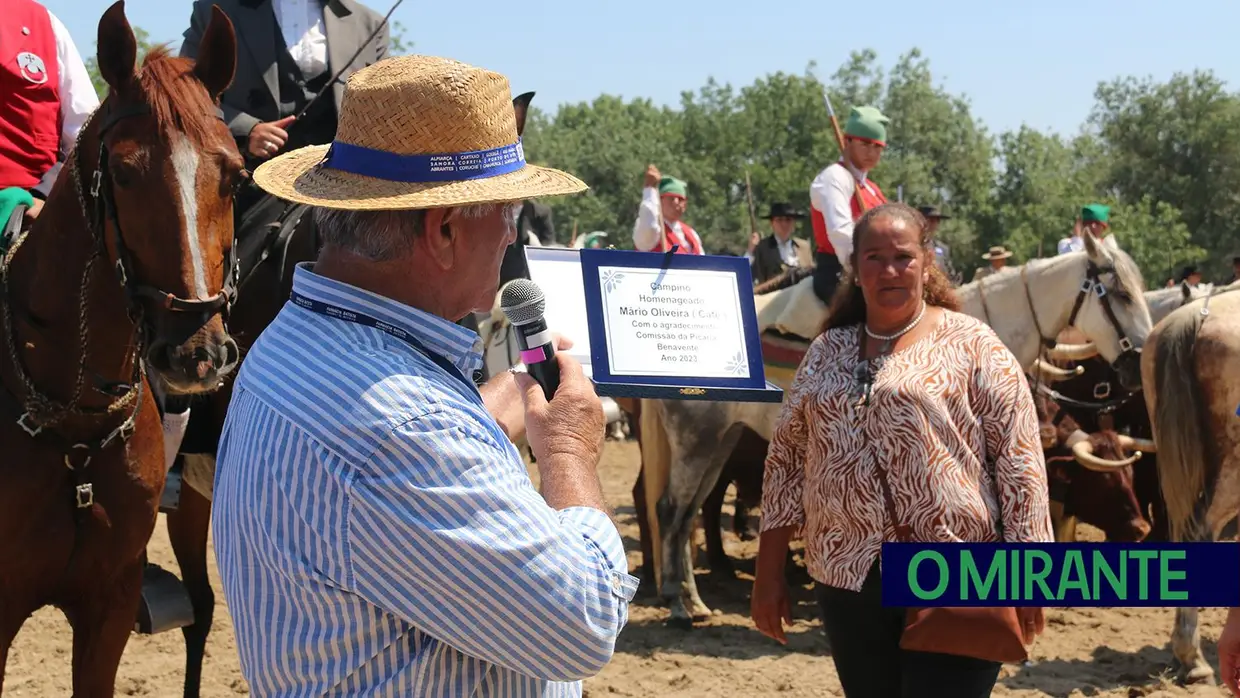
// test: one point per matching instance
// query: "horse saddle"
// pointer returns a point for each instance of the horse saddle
(265, 228)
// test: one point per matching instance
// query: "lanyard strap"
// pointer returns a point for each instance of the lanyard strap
(359, 318)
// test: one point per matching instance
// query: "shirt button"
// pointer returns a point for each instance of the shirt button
(615, 585)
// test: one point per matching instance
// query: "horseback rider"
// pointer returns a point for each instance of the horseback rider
(773, 255)
(835, 200)
(47, 98)
(1095, 219)
(293, 50)
(659, 225)
(997, 256)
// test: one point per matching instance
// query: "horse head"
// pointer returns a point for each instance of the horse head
(1098, 291)
(162, 169)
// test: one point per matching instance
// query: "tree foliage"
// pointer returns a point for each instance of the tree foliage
(1165, 156)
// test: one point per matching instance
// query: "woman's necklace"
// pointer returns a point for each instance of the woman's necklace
(889, 338)
(867, 369)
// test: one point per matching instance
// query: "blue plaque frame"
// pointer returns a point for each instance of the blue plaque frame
(755, 388)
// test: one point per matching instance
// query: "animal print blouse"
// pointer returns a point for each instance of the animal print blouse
(937, 411)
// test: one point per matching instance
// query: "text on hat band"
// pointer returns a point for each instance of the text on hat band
(443, 167)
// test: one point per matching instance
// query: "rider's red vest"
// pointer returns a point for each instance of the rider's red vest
(691, 245)
(29, 94)
(870, 193)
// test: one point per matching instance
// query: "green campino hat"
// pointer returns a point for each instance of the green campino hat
(671, 185)
(1096, 213)
(867, 123)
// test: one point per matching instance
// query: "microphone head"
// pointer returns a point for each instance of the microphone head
(522, 301)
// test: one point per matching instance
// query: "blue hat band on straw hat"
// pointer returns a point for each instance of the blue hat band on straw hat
(443, 167)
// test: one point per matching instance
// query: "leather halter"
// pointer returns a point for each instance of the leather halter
(1093, 283)
(40, 412)
(105, 211)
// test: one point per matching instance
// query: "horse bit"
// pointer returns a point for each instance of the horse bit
(41, 412)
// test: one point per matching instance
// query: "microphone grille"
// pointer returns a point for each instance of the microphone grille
(522, 301)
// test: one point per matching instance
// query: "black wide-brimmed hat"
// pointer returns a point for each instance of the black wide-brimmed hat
(781, 209)
(932, 212)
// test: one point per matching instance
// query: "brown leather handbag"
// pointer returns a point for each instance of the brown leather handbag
(991, 633)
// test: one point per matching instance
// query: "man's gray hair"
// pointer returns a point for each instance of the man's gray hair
(380, 235)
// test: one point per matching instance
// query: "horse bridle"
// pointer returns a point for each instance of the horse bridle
(40, 412)
(1091, 282)
(105, 210)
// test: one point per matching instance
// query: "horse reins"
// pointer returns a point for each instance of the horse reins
(40, 413)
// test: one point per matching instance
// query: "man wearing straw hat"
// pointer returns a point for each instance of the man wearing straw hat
(375, 528)
(659, 227)
(834, 197)
(997, 256)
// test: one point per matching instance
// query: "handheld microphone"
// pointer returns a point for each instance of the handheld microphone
(523, 303)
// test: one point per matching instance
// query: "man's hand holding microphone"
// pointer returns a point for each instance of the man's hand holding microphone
(564, 422)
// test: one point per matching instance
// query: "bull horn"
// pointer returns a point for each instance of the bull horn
(1054, 373)
(1133, 444)
(1084, 453)
(1073, 352)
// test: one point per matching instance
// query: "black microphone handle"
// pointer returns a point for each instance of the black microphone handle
(546, 371)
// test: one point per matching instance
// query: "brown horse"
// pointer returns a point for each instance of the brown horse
(126, 270)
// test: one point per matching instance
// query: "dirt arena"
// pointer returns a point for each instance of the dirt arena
(1085, 652)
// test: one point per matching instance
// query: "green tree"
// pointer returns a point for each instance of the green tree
(397, 45)
(1179, 143)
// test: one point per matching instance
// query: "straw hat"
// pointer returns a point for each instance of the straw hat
(417, 132)
(997, 252)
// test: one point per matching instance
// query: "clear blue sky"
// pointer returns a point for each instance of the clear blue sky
(1034, 62)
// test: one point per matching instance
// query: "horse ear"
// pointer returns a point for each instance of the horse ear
(117, 49)
(217, 54)
(521, 105)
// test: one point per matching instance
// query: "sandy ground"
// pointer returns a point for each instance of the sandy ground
(1085, 652)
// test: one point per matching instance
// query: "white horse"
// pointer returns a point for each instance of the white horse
(686, 443)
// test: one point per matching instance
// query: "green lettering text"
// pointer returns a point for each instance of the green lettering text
(1074, 567)
(1166, 575)
(970, 578)
(1143, 583)
(1119, 584)
(944, 577)
(1039, 577)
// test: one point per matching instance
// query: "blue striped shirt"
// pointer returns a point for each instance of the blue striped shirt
(377, 533)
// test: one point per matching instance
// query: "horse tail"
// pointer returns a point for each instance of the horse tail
(1179, 423)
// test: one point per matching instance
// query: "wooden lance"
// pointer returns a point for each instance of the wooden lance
(839, 140)
(753, 219)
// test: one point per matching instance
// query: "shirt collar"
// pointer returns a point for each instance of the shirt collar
(459, 345)
(861, 176)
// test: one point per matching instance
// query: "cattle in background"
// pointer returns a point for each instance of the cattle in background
(1088, 479)
(1090, 395)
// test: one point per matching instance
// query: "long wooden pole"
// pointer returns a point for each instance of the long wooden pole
(753, 219)
(839, 140)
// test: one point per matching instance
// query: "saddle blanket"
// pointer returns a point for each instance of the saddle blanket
(781, 357)
(795, 310)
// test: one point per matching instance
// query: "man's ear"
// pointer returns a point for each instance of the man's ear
(439, 236)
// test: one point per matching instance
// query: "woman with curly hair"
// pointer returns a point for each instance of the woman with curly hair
(907, 420)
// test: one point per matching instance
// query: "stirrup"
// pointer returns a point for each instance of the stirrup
(170, 499)
(165, 603)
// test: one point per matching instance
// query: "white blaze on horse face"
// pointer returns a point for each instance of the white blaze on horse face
(185, 164)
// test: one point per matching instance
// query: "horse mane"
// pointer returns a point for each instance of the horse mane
(1128, 277)
(177, 98)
